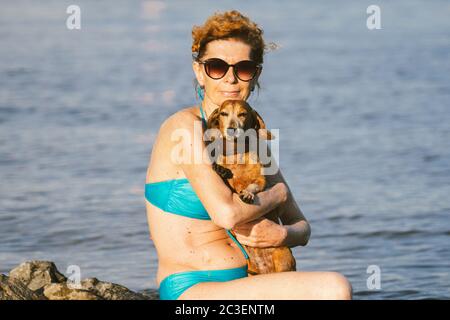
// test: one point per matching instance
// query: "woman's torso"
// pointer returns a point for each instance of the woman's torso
(183, 243)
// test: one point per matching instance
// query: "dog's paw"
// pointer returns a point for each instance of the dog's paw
(225, 173)
(247, 196)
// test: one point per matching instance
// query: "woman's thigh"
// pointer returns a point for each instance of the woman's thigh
(292, 285)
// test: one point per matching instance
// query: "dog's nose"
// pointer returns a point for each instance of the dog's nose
(231, 131)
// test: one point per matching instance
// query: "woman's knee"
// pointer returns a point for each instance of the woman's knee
(341, 288)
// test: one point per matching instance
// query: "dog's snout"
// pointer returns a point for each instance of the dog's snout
(232, 123)
(231, 131)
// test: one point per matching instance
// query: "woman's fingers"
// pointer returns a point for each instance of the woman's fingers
(243, 239)
(250, 241)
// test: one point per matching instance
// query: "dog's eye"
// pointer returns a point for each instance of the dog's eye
(223, 114)
(242, 114)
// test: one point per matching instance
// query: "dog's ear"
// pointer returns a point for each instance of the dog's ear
(260, 127)
(213, 123)
(213, 120)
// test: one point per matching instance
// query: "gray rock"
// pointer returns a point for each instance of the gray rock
(37, 274)
(61, 291)
(151, 294)
(110, 291)
(36, 280)
(11, 289)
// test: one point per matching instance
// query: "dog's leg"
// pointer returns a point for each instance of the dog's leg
(248, 194)
(225, 173)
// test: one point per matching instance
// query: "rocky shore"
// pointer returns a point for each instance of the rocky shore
(41, 280)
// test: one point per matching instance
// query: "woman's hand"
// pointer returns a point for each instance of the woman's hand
(260, 233)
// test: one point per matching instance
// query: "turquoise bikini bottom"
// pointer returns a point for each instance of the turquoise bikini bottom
(174, 285)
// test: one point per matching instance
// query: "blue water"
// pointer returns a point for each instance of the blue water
(363, 115)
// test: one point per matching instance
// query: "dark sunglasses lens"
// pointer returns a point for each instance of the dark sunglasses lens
(216, 68)
(246, 70)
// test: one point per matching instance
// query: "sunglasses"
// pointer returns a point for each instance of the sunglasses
(244, 70)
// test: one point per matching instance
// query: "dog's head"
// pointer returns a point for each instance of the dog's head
(234, 117)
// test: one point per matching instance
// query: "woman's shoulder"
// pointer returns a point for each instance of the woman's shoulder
(163, 143)
(181, 118)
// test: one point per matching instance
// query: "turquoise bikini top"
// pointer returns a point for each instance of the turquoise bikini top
(178, 197)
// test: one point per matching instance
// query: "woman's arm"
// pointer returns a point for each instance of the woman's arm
(294, 231)
(298, 230)
(224, 207)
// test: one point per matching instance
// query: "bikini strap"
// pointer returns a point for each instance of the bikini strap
(231, 235)
(203, 115)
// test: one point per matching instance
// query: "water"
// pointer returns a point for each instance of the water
(363, 118)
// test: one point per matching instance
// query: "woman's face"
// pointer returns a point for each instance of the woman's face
(229, 87)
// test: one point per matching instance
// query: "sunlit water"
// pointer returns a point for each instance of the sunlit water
(363, 118)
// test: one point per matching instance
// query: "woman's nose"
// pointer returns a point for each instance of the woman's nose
(230, 77)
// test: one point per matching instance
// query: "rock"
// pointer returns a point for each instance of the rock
(41, 280)
(110, 291)
(60, 291)
(11, 289)
(37, 274)
(151, 294)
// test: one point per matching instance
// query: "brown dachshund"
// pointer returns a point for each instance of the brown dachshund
(240, 168)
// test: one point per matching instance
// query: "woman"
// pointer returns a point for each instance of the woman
(191, 211)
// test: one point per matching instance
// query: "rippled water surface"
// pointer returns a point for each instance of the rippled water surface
(363, 117)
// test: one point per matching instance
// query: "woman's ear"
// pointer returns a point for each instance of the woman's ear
(256, 78)
(260, 127)
(198, 73)
(259, 72)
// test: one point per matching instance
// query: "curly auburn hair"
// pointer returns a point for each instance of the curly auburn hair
(226, 25)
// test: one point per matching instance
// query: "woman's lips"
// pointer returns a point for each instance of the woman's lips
(230, 93)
